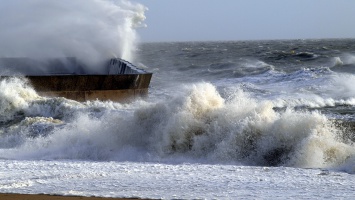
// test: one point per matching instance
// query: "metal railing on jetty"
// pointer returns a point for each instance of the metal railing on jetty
(64, 66)
(119, 66)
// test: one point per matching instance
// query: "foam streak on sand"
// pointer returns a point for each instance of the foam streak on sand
(51, 197)
(167, 181)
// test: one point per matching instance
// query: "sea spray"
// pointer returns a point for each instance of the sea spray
(345, 59)
(93, 31)
(244, 130)
(288, 116)
(195, 124)
(15, 94)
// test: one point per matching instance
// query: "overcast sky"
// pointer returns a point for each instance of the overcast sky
(206, 20)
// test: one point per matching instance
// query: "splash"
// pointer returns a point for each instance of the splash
(337, 61)
(348, 59)
(15, 94)
(196, 125)
(344, 63)
(244, 130)
(90, 30)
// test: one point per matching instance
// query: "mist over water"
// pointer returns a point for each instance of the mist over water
(93, 31)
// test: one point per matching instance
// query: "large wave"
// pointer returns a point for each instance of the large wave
(195, 125)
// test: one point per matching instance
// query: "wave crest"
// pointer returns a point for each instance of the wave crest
(196, 125)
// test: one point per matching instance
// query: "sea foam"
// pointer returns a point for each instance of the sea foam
(196, 125)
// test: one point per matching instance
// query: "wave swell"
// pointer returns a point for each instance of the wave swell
(195, 125)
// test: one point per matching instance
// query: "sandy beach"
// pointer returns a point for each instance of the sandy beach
(52, 197)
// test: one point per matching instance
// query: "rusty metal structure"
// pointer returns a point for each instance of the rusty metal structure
(121, 82)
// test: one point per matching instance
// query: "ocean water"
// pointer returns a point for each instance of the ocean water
(223, 120)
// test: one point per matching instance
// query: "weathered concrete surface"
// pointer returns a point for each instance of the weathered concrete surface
(66, 77)
(89, 82)
(104, 95)
(121, 88)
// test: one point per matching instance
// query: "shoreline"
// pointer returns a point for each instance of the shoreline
(14, 196)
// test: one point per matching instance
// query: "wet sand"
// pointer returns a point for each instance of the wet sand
(52, 197)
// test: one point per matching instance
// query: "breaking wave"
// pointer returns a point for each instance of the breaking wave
(307, 88)
(195, 125)
(344, 63)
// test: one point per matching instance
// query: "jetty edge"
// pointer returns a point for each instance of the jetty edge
(120, 81)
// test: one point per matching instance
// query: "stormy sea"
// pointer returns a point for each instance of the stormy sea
(223, 120)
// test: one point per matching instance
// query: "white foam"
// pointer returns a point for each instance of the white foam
(349, 59)
(314, 88)
(15, 93)
(337, 61)
(197, 124)
(164, 181)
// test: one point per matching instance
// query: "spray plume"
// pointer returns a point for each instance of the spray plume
(90, 30)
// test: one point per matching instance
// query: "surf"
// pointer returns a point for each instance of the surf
(197, 125)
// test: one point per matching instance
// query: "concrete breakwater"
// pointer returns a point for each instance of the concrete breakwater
(120, 88)
(121, 82)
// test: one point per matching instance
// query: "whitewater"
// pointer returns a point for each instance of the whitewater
(223, 120)
(230, 125)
